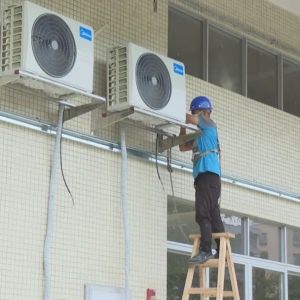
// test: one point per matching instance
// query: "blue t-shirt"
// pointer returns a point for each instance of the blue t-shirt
(207, 141)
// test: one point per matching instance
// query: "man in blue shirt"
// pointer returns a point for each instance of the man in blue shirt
(207, 172)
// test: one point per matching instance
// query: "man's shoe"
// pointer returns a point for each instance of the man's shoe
(201, 257)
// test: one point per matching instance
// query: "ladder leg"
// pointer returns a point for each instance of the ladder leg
(191, 269)
(232, 274)
(202, 275)
(188, 282)
(221, 269)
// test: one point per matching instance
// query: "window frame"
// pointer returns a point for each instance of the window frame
(245, 43)
(248, 261)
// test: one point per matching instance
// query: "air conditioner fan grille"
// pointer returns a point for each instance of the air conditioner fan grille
(53, 45)
(153, 81)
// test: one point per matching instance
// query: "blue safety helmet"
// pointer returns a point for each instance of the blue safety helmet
(200, 102)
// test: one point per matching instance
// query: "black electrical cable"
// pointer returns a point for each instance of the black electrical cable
(175, 210)
(156, 163)
(155, 5)
(62, 171)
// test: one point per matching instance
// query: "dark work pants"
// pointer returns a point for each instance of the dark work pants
(208, 191)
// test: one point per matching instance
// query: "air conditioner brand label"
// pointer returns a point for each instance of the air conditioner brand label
(178, 69)
(85, 33)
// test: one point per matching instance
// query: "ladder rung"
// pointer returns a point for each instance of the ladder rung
(211, 263)
(227, 235)
(209, 292)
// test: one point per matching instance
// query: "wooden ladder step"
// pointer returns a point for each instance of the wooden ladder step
(211, 263)
(209, 292)
(226, 235)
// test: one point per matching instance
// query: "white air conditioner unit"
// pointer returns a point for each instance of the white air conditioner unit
(55, 48)
(151, 83)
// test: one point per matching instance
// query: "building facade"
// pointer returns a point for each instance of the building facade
(244, 56)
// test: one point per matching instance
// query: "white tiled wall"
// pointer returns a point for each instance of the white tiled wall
(258, 143)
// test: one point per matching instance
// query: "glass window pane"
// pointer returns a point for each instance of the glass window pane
(240, 275)
(185, 41)
(294, 287)
(262, 76)
(291, 88)
(181, 223)
(293, 246)
(264, 240)
(225, 60)
(266, 284)
(181, 220)
(176, 276)
(233, 224)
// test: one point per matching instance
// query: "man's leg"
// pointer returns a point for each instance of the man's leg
(203, 207)
(216, 221)
(217, 225)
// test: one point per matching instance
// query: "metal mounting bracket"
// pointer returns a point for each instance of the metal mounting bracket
(169, 142)
(172, 140)
(73, 112)
(111, 118)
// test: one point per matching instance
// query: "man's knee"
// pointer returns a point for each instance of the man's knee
(203, 222)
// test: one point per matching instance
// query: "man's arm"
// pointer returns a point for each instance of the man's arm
(185, 146)
(189, 120)
(192, 120)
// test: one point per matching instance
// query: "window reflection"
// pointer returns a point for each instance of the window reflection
(262, 80)
(185, 41)
(291, 88)
(176, 276)
(240, 276)
(294, 287)
(293, 246)
(266, 284)
(181, 223)
(225, 60)
(264, 241)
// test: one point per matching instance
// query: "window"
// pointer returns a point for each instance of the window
(293, 246)
(291, 88)
(262, 79)
(181, 220)
(262, 247)
(225, 60)
(181, 223)
(264, 243)
(185, 41)
(266, 284)
(234, 225)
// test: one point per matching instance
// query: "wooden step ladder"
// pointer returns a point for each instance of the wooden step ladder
(225, 260)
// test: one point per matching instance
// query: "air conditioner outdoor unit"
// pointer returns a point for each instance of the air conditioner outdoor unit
(54, 48)
(151, 83)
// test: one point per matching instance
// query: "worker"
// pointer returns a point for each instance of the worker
(206, 172)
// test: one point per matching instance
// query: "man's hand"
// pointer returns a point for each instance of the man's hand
(184, 146)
